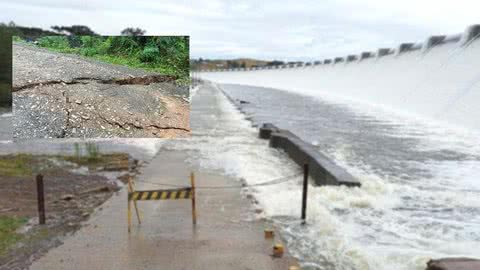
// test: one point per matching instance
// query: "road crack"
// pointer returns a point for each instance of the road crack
(143, 80)
(67, 120)
(128, 125)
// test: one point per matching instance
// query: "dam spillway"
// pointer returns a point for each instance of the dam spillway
(438, 79)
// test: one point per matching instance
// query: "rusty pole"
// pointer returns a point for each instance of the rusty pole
(41, 199)
(194, 210)
(305, 192)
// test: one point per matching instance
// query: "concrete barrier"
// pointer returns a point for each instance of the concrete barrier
(433, 41)
(383, 52)
(404, 47)
(338, 60)
(365, 55)
(321, 168)
(454, 264)
(471, 33)
(351, 58)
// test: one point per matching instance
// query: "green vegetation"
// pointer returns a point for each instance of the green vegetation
(167, 55)
(26, 165)
(16, 165)
(8, 234)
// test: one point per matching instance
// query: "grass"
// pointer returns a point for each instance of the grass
(16, 165)
(8, 234)
(88, 154)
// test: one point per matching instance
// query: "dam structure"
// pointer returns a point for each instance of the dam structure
(437, 79)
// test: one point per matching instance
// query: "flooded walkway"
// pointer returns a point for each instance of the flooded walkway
(227, 236)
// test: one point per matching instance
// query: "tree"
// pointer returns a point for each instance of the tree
(76, 30)
(130, 31)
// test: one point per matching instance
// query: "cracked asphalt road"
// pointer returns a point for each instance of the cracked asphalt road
(63, 96)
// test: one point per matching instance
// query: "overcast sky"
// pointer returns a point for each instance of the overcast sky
(292, 30)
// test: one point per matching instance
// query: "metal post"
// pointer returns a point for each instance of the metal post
(131, 190)
(194, 211)
(41, 199)
(305, 192)
(129, 215)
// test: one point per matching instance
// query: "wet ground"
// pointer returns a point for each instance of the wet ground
(73, 190)
(64, 96)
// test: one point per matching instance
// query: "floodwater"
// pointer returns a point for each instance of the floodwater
(420, 197)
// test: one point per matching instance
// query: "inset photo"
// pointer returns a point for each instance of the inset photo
(101, 87)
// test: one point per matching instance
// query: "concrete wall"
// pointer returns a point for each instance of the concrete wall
(438, 79)
(321, 169)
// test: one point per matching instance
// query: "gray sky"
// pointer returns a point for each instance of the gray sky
(290, 30)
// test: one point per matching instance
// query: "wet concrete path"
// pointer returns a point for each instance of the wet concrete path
(226, 235)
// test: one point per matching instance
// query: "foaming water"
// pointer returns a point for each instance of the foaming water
(419, 198)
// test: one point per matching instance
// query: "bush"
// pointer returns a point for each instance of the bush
(150, 55)
(88, 51)
(54, 42)
(123, 45)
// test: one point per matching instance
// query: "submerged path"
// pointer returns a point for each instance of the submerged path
(227, 236)
(60, 96)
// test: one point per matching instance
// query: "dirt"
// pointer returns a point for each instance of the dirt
(72, 193)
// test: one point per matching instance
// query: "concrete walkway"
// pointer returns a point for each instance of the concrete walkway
(222, 238)
(225, 237)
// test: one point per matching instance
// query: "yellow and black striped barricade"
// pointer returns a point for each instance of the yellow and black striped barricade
(164, 194)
